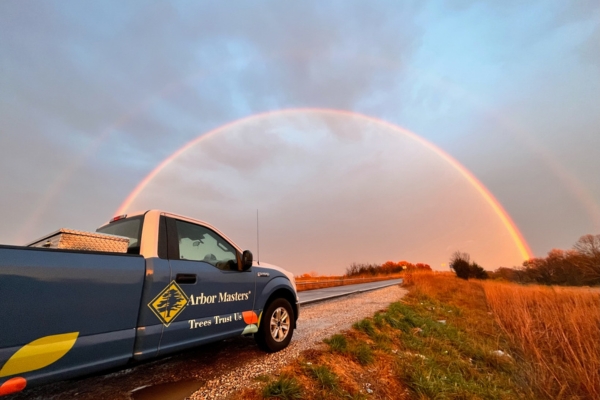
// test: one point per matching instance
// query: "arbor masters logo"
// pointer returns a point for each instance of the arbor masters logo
(169, 303)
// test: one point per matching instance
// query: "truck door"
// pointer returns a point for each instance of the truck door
(208, 292)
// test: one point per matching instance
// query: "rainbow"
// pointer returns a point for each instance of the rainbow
(511, 227)
(576, 188)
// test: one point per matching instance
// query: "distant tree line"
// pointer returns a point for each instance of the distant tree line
(387, 268)
(579, 266)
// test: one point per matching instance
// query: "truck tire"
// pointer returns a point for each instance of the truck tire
(276, 326)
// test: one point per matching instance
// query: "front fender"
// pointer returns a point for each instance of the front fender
(283, 288)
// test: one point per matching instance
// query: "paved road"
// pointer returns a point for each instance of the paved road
(312, 296)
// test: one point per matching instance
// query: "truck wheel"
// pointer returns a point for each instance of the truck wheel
(276, 327)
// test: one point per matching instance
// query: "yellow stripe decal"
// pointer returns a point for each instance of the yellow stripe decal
(39, 354)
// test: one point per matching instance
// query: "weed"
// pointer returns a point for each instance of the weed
(362, 353)
(379, 320)
(337, 343)
(391, 321)
(382, 341)
(365, 326)
(285, 387)
(327, 379)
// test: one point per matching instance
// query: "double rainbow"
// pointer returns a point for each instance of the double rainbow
(508, 223)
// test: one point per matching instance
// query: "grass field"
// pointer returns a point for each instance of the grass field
(455, 339)
(554, 332)
(557, 332)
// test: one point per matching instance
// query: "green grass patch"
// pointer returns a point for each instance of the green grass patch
(365, 326)
(362, 353)
(437, 346)
(285, 387)
(337, 343)
(446, 356)
(378, 320)
(324, 376)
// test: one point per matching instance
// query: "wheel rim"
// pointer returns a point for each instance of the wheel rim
(280, 324)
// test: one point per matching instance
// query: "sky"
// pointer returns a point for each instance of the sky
(360, 131)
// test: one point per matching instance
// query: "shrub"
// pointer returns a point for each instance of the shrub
(461, 264)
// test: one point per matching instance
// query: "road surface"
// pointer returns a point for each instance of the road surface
(312, 296)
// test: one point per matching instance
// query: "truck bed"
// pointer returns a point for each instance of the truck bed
(91, 295)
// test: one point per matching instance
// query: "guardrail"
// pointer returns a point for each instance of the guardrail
(342, 280)
(325, 283)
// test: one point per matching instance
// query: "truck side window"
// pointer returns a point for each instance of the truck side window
(198, 243)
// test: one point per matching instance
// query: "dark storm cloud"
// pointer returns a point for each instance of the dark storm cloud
(84, 66)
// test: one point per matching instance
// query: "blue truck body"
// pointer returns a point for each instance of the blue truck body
(66, 313)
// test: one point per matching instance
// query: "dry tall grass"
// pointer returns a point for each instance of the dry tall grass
(557, 331)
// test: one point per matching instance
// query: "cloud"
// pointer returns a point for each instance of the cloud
(165, 73)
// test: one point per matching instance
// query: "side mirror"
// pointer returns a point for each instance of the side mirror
(246, 260)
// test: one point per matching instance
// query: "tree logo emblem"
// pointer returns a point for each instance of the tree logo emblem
(169, 303)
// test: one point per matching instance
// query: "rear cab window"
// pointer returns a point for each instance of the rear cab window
(130, 228)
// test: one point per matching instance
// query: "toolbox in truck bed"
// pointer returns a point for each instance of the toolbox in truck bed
(79, 240)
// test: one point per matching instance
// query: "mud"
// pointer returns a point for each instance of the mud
(166, 391)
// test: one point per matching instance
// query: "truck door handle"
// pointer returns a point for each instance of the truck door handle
(186, 278)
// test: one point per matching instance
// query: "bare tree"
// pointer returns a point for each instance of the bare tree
(588, 247)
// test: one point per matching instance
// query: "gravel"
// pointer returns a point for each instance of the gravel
(317, 322)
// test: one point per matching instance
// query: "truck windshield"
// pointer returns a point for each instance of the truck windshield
(130, 228)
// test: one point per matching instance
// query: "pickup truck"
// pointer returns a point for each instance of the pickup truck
(182, 283)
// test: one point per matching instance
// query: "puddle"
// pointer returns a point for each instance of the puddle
(166, 391)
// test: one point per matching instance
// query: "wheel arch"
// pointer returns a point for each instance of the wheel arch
(287, 294)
